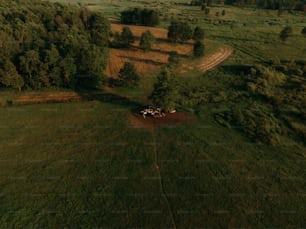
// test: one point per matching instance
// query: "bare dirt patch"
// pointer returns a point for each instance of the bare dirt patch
(45, 97)
(138, 121)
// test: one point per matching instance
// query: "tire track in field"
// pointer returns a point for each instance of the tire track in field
(215, 59)
(161, 186)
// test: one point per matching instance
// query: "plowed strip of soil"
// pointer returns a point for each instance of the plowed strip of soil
(211, 61)
(48, 97)
(138, 121)
(145, 62)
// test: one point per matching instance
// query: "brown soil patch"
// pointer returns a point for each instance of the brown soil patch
(45, 97)
(144, 61)
(138, 121)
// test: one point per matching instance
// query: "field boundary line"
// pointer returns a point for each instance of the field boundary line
(161, 186)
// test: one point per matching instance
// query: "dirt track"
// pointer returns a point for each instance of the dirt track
(214, 59)
(45, 97)
(138, 121)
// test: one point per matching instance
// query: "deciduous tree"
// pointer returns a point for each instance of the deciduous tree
(146, 40)
(165, 91)
(128, 76)
(198, 49)
(198, 33)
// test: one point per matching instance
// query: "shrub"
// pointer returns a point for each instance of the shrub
(146, 40)
(198, 33)
(198, 49)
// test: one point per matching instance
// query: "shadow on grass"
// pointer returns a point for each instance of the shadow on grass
(111, 98)
(235, 69)
(159, 51)
(147, 61)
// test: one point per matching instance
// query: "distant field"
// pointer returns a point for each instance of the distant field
(151, 61)
(253, 33)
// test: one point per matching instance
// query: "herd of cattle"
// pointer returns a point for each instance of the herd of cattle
(154, 112)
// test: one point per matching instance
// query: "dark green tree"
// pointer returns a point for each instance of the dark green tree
(198, 49)
(99, 29)
(127, 36)
(91, 67)
(198, 33)
(128, 76)
(52, 59)
(68, 70)
(30, 68)
(9, 76)
(138, 16)
(146, 40)
(165, 91)
(179, 31)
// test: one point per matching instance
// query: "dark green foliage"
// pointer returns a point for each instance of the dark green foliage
(271, 4)
(173, 58)
(146, 40)
(45, 42)
(207, 10)
(123, 40)
(127, 36)
(223, 13)
(198, 33)
(198, 49)
(285, 33)
(165, 92)
(179, 31)
(128, 76)
(9, 76)
(257, 124)
(197, 2)
(138, 16)
(261, 79)
(89, 67)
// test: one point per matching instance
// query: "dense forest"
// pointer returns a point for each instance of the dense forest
(51, 45)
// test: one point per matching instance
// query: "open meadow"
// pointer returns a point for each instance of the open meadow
(233, 157)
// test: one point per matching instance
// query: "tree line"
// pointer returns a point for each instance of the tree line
(51, 45)
(265, 4)
(137, 16)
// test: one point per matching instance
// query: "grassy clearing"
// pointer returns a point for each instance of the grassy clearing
(83, 164)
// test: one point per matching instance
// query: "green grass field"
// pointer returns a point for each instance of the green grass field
(83, 165)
